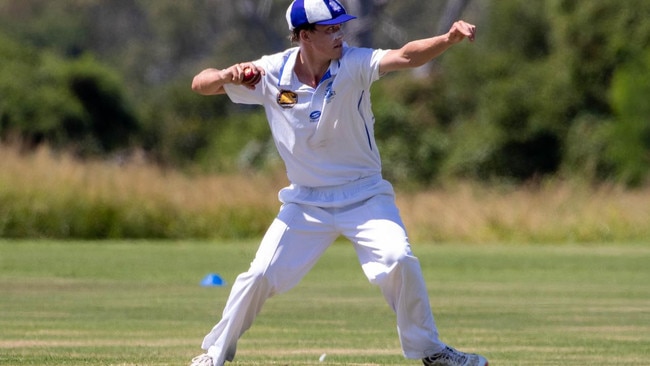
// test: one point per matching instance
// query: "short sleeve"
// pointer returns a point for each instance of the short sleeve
(363, 64)
(242, 95)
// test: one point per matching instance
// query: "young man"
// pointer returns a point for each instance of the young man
(317, 101)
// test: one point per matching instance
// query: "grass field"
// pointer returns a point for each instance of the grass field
(140, 303)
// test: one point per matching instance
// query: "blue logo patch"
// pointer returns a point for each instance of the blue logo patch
(314, 116)
(329, 93)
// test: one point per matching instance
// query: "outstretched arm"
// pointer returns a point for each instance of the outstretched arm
(211, 81)
(418, 53)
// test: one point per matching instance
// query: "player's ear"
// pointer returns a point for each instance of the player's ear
(305, 35)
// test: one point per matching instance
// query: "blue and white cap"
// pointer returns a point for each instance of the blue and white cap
(321, 12)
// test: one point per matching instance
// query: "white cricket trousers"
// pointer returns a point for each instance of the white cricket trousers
(292, 245)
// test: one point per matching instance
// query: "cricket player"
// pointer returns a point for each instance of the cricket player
(317, 101)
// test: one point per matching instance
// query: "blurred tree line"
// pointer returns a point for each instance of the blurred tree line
(550, 88)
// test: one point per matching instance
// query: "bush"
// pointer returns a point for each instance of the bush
(77, 105)
(628, 148)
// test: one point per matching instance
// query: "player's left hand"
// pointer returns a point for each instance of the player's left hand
(461, 30)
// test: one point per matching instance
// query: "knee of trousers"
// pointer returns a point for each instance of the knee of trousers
(255, 279)
(397, 255)
(275, 280)
(396, 264)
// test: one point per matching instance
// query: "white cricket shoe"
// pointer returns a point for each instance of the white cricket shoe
(202, 360)
(452, 357)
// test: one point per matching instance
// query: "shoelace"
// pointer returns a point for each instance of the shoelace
(202, 360)
(450, 356)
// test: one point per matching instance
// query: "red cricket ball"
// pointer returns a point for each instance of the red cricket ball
(250, 77)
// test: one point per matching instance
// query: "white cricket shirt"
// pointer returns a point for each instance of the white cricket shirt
(324, 135)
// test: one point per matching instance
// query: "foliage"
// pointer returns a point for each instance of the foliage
(411, 143)
(629, 137)
(53, 195)
(77, 105)
(597, 41)
(542, 92)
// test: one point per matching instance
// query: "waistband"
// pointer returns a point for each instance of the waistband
(337, 196)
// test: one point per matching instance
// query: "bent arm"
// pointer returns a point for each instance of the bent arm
(211, 81)
(417, 53)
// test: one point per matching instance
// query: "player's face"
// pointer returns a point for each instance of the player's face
(329, 40)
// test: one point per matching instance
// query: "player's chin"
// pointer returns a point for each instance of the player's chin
(337, 52)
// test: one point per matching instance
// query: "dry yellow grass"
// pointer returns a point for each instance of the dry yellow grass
(555, 212)
(552, 212)
(45, 171)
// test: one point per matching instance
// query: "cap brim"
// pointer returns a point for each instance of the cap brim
(338, 20)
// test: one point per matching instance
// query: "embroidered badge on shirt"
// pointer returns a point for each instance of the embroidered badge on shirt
(287, 98)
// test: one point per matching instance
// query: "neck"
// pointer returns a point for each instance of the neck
(310, 69)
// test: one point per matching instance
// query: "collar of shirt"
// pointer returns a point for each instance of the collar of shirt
(290, 62)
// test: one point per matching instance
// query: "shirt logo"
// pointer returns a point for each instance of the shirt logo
(329, 93)
(287, 99)
(314, 116)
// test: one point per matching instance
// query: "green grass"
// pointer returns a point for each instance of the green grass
(140, 303)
